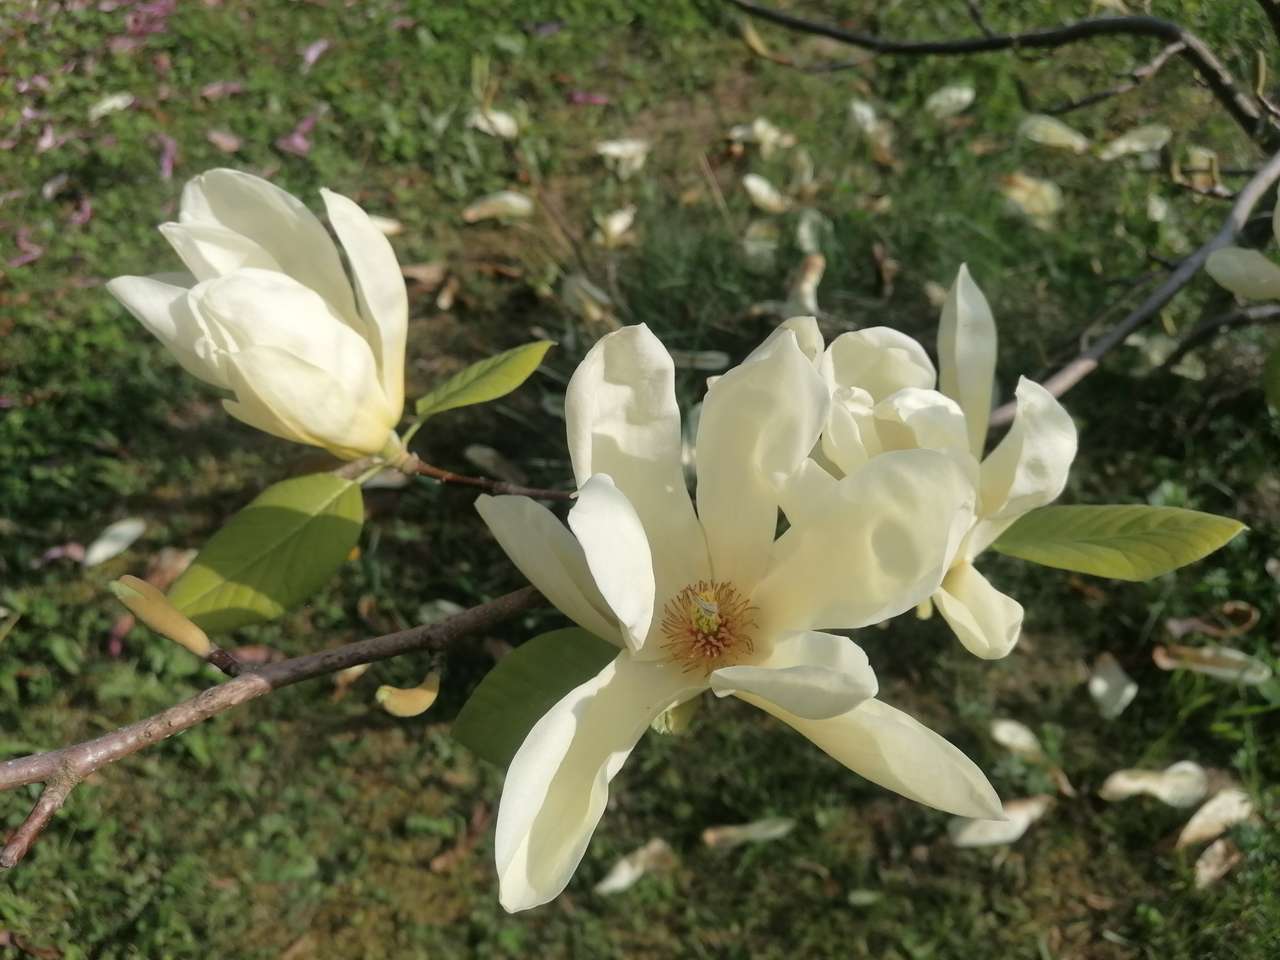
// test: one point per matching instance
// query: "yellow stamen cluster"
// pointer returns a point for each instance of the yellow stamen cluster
(708, 624)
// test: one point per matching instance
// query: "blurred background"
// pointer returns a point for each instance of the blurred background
(312, 824)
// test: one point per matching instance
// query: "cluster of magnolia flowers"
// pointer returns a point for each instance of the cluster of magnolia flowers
(873, 457)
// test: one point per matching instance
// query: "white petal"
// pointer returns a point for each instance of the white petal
(758, 423)
(967, 355)
(264, 308)
(985, 620)
(879, 360)
(890, 748)
(278, 222)
(547, 554)
(285, 395)
(162, 308)
(804, 492)
(811, 675)
(876, 549)
(808, 337)
(851, 437)
(210, 250)
(380, 290)
(622, 419)
(558, 783)
(1030, 465)
(1246, 273)
(617, 553)
(913, 417)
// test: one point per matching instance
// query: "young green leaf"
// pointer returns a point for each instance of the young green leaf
(523, 686)
(273, 554)
(1118, 541)
(484, 380)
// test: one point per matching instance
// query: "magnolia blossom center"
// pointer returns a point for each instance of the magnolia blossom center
(708, 624)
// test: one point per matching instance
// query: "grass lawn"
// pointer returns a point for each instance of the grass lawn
(314, 825)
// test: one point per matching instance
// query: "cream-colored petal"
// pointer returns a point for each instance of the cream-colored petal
(264, 308)
(874, 550)
(379, 287)
(162, 308)
(851, 437)
(622, 419)
(985, 620)
(891, 749)
(804, 492)
(880, 360)
(967, 355)
(305, 403)
(913, 417)
(808, 338)
(1029, 467)
(811, 675)
(276, 221)
(543, 549)
(1246, 273)
(211, 250)
(617, 553)
(558, 783)
(758, 423)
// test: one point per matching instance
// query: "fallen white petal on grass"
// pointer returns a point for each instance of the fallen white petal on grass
(224, 140)
(1181, 785)
(410, 701)
(112, 103)
(588, 302)
(760, 244)
(612, 228)
(1215, 817)
(949, 101)
(495, 123)
(1221, 663)
(764, 194)
(1145, 139)
(711, 361)
(433, 611)
(863, 116)
(387, 226)
(1111, 688)
(1036, 198)
(1018, 738)
(764, 135)
(625, 156)
(1019, 816)
(654, 855)
(114, 540)
(1052, 132)
(503, 205)
(811, 229)
(1219, 859)
(758, 831)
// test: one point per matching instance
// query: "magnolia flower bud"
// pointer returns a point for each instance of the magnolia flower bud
(267, 312)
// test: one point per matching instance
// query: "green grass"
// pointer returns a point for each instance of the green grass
(301, 824)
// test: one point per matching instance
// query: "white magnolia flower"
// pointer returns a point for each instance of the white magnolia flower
(883, 400)
(267, 312)
(1247, 273)
(708, 599)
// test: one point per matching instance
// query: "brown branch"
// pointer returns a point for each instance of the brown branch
(1243, 108)
(1209, 328)
(60, 770)
(1087, 361)
(492, 486)
(1136, 78)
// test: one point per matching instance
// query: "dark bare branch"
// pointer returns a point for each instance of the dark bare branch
(1136, 78)
(1242, 107)
(60, 770)
(1207, 329)
(1084, 364)
(492, 486)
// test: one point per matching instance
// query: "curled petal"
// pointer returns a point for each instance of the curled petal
(811, 675)
(879, 360)
(985, 620)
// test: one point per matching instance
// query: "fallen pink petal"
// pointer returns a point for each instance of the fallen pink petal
(168, 155)
(313, 53)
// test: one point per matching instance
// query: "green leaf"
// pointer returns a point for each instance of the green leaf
(1117, 541)
(273, 554)
(484, 380)
(523, 686)
(1271, 379)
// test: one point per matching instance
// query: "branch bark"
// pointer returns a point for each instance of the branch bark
(1244, 109)
(1206, 330)
(492, 486)
(61, 770)
(1087, 361)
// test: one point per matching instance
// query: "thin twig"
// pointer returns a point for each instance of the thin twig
(1087, 361)
(60, 770)
(1137, 76)
(492, 486)
(1272, 9)
(1242, 107)
(1209, 328)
